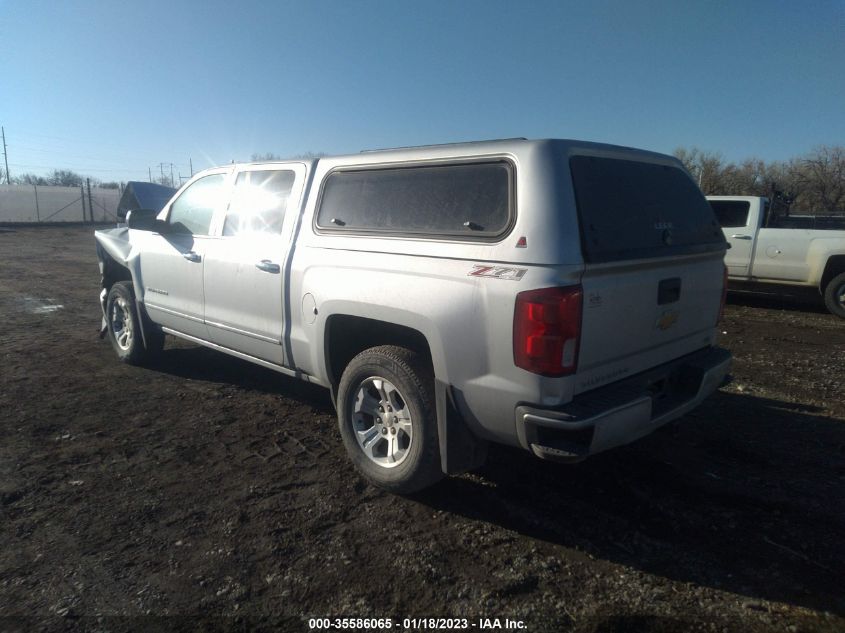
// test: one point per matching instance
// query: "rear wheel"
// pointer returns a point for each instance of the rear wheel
(834, 295)
(387, 419)
(124, 327)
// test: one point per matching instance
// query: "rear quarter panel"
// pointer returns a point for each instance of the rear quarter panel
(795, 255)
(425, 284)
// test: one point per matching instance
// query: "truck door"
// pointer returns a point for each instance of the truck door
(735, 217)
(244, 274)
(172, 260)
(782, 253)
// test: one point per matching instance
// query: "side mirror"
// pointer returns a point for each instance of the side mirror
(144, 220)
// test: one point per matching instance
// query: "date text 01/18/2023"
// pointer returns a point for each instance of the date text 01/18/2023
(416, 624)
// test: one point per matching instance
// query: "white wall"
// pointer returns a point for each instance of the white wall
(28, 203)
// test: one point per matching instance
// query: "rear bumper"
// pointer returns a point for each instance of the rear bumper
(620, 413)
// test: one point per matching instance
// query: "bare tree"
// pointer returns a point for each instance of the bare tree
(705, 167)
(270, 156)
(64, 178)
(261, 158)
(821, 179)
(30, 179)
(813, 183)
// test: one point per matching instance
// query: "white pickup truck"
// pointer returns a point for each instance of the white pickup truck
(793, 250)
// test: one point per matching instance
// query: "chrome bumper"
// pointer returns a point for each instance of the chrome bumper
(622, 412)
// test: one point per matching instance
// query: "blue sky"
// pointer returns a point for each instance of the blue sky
(110, 88)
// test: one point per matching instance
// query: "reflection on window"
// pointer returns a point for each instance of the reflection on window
(462, 199)
(626, 207)
(259, 202)
(192, 211)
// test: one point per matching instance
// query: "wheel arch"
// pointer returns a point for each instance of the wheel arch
(834, 266)
(116, 265)
(347, 335)
(113, 271)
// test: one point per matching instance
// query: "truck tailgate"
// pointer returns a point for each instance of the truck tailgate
(639, 314)
(653, 256)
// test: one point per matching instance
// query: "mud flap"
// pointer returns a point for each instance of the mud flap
(460, 449)
(103, 323)
(144, 321)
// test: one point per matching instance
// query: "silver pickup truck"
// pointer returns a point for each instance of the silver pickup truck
(559, 296)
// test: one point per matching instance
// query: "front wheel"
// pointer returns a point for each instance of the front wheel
(387, 419)
(834, 295)
(124, 327)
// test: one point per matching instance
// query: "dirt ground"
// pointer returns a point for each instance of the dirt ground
(208, 494)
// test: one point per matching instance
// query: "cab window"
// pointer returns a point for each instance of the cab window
(192, 211)
(731, 213)
(259, 202)
(466, 200)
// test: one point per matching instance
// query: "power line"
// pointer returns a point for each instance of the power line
(45, 147)
(57, 138)
(5, 156)
(63, 156)
(127, 170)
(60, 152)
(89, 142)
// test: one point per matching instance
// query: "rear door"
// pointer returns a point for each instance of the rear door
(733, 216)
(654, 267)
(244, 274)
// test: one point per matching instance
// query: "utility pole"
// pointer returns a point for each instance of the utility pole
(161, 166)
(6, 156)
(150, 172)
(191, 162)
(90, 201)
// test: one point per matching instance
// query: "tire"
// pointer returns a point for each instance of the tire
(834, 295)
(124, 328)
(387, 419)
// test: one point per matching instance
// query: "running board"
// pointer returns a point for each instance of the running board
(293, 373)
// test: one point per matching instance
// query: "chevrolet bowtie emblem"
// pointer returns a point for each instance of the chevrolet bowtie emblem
(667, 319)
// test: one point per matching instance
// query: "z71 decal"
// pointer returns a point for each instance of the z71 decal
(498, 272)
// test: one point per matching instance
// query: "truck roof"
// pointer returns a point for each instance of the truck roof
(494, 146)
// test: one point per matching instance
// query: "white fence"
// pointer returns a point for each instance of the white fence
(32, 203)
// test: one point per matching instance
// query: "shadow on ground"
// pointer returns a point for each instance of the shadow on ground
(207, 365)
(802, 299)
(744, 496)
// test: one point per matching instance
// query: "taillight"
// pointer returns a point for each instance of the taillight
(547, 330)
(724, 294)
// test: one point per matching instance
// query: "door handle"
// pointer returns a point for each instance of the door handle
(191, 256)
(267, 266)
(739, 236)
